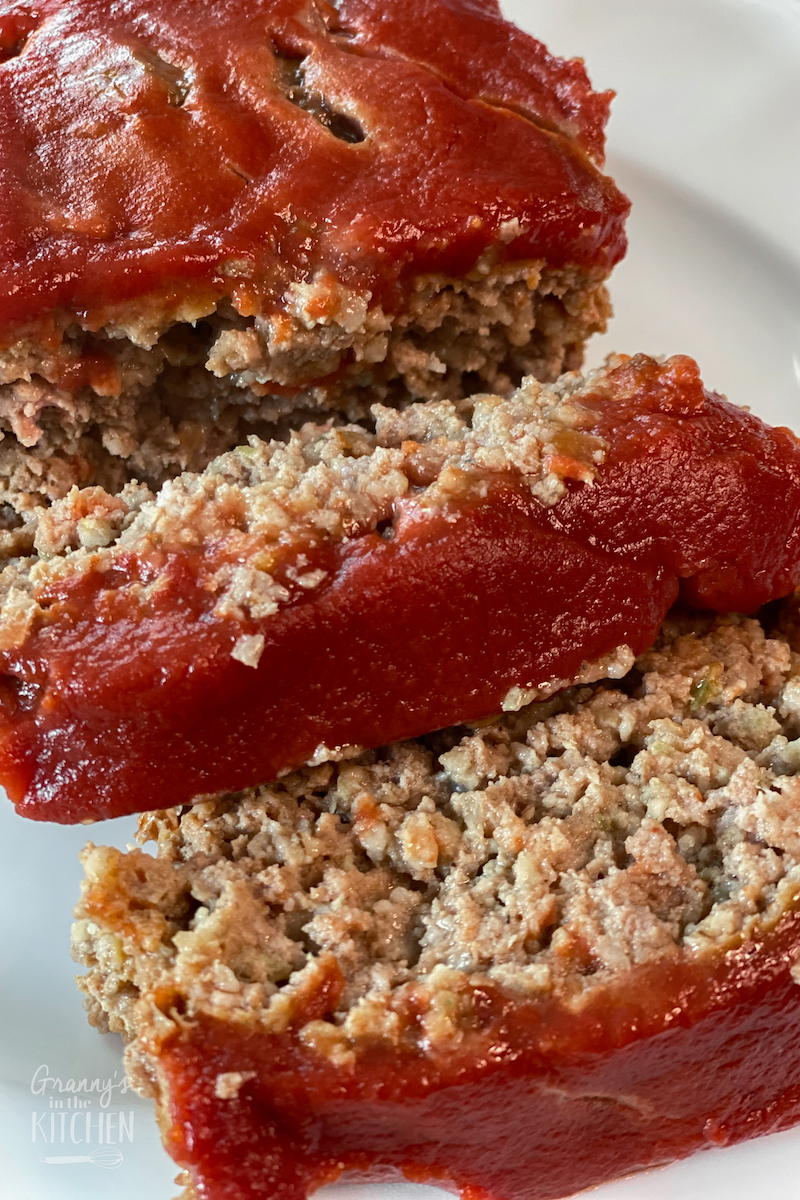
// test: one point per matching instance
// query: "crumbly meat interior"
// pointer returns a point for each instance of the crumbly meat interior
(146, 399)
(544, 852)
(256, 503)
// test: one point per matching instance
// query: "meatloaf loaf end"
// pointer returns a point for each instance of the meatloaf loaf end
(216, 214)
(353, 587)
(519, 958)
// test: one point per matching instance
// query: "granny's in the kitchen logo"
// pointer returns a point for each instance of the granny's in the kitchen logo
(78, 1121)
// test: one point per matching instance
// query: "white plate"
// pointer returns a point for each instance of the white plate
(705, 137)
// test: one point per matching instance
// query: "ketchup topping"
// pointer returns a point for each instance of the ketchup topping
(152, 152)
(124, 697)
(535, 1101)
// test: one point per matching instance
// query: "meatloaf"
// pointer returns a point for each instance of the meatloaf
(217, 214)
(299, 600)
(517, 958)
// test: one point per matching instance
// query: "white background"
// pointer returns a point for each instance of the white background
(705, 138)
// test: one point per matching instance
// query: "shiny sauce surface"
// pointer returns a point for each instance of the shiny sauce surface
(536, 1100)
(123, 698)
(158, 153)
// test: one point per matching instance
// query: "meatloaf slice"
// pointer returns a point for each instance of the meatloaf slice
(519, 958)
(215, 215)
(349, 588)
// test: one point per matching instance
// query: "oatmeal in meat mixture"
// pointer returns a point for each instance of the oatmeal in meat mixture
(353, 587)
(546, 852)
(275, 209)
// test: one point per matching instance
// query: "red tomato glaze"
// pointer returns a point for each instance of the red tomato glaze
(146, 146)
(114, 710)
(117, 704)
(534, 1102)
